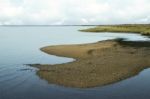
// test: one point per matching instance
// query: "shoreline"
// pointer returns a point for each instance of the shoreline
(143, 29)
(96, 64)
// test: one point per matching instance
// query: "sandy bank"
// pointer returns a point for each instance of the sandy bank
(97, 64)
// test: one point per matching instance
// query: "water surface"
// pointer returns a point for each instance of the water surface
(20, 45)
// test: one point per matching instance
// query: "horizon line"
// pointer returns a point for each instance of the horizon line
(80, 25)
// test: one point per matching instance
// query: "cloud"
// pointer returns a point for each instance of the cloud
(57, 12)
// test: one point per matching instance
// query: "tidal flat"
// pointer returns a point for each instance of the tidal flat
(96, 64)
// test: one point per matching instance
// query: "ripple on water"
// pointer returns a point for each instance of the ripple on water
(12, 76)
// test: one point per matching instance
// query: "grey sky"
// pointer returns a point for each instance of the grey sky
(58, 12)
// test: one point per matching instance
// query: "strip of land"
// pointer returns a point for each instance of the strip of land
(96, 64)
(143, 29)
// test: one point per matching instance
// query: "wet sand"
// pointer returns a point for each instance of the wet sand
(96, 64)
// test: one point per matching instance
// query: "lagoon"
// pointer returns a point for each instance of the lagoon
(20, 45)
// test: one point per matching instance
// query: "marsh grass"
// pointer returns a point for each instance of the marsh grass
(143, 29)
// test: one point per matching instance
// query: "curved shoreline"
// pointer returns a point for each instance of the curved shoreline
(96, 64)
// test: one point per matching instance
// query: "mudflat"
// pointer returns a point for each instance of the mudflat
(96, 64)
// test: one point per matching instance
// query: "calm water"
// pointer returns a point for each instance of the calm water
(20, 45)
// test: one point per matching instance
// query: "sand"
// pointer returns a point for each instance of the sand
(97, 64)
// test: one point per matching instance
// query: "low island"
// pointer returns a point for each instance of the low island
(99, 63)
(143, 29)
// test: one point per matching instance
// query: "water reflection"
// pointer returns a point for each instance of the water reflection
(20, 45)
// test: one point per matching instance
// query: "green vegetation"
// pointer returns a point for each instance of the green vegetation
(143, 29)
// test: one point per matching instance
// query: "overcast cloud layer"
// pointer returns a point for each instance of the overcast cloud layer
(69, 12)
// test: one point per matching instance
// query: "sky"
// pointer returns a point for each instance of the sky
(74, 12)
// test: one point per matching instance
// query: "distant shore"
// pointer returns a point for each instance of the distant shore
(96, 64)
(143, 29)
